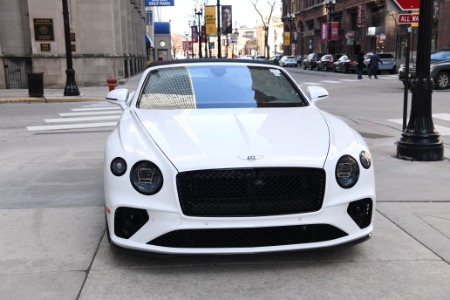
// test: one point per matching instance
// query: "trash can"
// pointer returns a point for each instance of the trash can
(36, 84)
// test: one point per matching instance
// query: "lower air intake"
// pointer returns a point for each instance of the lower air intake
(248, 237)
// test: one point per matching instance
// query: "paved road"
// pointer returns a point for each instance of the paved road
(51, 214)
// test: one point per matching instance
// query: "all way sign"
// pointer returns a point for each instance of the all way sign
(408, 18)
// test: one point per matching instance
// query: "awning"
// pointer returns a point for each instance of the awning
(148, 40)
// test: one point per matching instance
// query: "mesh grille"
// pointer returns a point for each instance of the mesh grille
(249, 237)
(168, 89)
(251, 192)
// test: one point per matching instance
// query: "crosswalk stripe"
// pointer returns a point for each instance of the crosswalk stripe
(71, 126)
(330, 81)
(311, 83)
(441, 129)
(90, 113)
(445, 117)
(96, 108)
(83, 119)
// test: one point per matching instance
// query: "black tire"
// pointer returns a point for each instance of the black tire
(442, 80)
(345, 69)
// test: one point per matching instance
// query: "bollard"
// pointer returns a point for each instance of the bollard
(111, 83)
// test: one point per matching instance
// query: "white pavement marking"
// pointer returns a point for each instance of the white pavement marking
(445, 117)
(350, 80)
(84, 119)
(441, 129)
(90, 113)
(72, 126)
(310, 83)
(96, 108)
(330, 81)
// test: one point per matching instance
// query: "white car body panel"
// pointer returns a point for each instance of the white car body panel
(234, 134)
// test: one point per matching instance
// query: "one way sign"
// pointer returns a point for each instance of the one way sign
(408, 18)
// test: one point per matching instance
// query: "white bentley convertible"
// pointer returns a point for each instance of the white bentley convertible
(231, 156)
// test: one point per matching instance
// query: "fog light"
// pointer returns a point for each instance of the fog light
(127, 221)
(361, 212)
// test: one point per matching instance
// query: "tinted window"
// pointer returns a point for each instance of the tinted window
(443, 55)
(218, 86)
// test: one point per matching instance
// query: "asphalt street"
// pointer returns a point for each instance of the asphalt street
(53, 243)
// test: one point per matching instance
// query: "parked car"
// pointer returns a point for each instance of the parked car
(276, 59)
(310, 62)
(230, 156)
(260, 57)
(345, 64)
(288, 61)
(389, 64)
(326, 62)
(439, 69)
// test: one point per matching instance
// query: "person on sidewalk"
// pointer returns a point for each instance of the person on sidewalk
(373, 65)
(360, 64)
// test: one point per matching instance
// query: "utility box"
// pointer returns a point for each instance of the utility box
(36, 84)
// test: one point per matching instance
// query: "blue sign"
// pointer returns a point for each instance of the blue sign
(159, 2)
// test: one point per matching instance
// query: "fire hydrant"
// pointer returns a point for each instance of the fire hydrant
(111, 83)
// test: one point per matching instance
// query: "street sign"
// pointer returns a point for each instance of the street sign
(408, 18)
(408, 4)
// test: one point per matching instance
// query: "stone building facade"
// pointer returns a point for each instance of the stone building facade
(107, 40)
(362, 25)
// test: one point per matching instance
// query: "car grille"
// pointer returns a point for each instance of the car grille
(250, 191)
(248, 237)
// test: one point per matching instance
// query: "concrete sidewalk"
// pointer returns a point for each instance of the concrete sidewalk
(96, 93)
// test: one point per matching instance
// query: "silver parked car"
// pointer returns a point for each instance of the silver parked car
(288, 61)
(389, 63)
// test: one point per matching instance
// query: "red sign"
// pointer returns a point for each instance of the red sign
(408, 18)
(408, 4)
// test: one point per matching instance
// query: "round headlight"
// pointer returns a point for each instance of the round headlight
(118, 166)
(146, 177)
(347, 172)
(365, 159)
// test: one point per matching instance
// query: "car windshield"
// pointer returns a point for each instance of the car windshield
(218, 86)
(442, 55)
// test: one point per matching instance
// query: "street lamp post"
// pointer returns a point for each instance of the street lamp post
(290, 20)
(71, 88)
(420, 141)
(200, 33)
(219, 39)
(329, 5)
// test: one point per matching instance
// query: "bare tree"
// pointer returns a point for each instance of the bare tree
(266, 23)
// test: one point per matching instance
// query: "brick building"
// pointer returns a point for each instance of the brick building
(358, 25)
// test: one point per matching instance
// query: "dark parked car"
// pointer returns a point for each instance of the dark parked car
(310, 62)
(276, 59)
(439, 69)
(345, 64)
(326, 62)
(389, 63)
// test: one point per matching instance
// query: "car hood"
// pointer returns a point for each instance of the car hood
(224, 138)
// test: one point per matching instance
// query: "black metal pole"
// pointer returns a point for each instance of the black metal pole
(71, 88)
(406, 81)
(420, 140)
(200, 33)
(329, 31)
(219, 38)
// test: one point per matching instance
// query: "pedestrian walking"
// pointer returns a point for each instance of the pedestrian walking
(373, 65)
(360, 64)
(299, 60)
